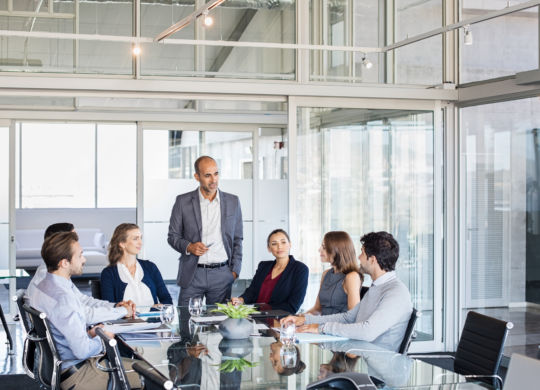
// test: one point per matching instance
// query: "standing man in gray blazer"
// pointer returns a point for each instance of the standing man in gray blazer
(206, 228)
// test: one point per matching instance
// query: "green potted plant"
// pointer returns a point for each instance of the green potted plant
(236, 326)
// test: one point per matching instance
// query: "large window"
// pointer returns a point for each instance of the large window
(501, 204)
(4, 197)
(363, 170)
(77, 165)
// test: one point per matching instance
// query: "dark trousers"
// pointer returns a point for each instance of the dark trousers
(213, 283)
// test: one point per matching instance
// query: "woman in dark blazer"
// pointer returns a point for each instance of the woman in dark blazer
(128, 278)
(280, 283)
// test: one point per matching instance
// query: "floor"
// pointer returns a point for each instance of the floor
(524, 338)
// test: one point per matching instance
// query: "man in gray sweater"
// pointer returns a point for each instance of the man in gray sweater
(382, 315)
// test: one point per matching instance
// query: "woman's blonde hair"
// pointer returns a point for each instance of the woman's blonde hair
(340, 249)
(119, 236)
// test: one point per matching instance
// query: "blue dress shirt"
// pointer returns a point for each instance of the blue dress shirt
(57, 297)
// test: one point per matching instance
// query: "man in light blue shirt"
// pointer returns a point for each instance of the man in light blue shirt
(381, 317)
(58, 298)
(96, 310)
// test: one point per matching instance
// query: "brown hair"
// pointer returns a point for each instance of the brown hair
(297, 369)
(57, 247)
(340, 249)
(119, 236)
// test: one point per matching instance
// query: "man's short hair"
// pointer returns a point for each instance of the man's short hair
(57, 247)
(384, 247)
(198, 162)
(58, 228)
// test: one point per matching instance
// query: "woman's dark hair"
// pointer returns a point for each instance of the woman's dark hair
(384, 247)
(340, 249)
(119, 236)
(275, 232)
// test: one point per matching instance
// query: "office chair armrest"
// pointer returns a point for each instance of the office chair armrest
(486, 376)
(419, 356)
(34, 338)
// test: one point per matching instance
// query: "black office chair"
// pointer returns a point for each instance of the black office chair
(48, 361)
(363, 291)
(117, 374)
(410, 334)
(29, 348)
(151, 378)
(95, 287)
(480, 348)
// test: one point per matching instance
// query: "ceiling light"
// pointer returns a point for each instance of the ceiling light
(366, 62)
(136, 50)
(467, 37)
(207, 19)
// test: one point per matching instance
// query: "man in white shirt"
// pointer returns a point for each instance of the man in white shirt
(206, 228)
(383, 313)
(96, 310)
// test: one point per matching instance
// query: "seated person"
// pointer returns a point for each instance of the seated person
(58, 298)
(384, 312)
(96, 310)
(128, 278)
(340, 285)
(281, 283)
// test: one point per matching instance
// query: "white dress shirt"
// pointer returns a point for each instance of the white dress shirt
(136, 290)
(211, 230)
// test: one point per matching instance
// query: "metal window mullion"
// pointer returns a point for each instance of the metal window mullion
(137, 33)
(12, 214)
(140, 176)
(95, 165)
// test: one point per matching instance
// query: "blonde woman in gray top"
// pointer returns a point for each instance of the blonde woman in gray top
(340, 285)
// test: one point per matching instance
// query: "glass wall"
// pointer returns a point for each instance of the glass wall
(97, 163)
(368, 170)
(501, 204)
(500, 47)
(248, 21)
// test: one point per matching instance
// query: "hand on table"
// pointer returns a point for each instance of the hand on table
(129, 306)
(237, 300)
(298, 320)
(310, 328)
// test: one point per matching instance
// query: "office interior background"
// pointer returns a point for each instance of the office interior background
(323, 115)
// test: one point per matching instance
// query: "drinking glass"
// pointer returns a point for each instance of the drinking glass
(288, 356)
(287, 333)
(195, 306)
(166, 314)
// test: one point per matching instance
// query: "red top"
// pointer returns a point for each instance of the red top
(268, 287)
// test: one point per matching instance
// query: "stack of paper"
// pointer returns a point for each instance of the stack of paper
(134, 327)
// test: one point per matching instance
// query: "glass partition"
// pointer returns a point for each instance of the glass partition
(364, 170)
(500, 162)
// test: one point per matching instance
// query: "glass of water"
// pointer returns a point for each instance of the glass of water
(195, 306)
(166, 314)
(288, 356)
(287, 333)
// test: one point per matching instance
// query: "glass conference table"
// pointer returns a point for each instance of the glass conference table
(196, 356)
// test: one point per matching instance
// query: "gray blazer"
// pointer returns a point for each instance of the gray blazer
(186, 227)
